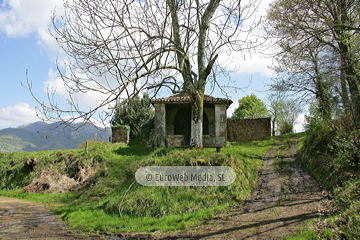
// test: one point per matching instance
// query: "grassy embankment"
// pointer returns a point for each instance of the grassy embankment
(331, 153)
(114, 202)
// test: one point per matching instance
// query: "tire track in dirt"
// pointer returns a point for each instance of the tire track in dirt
(278, 206)
(21, 219)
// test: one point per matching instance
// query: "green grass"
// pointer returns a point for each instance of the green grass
(304, 235)
(116, 203)
(330, 152)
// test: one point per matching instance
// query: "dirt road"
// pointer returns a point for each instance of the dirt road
(26, 220)
(278, 206)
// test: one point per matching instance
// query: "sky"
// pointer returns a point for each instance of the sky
(28, 53)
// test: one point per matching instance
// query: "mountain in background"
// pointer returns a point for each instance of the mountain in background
(32, 137)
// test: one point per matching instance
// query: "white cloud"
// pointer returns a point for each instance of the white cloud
(299, 124)
(232, 108)
(54, 83)
(19, 18)
(17, 115)
(253, 62)
(248, 63)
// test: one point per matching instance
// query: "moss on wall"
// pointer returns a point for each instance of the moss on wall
(120, 133)
(243, 130)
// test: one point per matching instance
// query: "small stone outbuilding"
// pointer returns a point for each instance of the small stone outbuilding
(173, 121)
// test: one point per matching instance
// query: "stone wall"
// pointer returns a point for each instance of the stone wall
(160, 125)
(220, 124)
(213, 141)
(120, 133)
(243, 130)
(175, 140)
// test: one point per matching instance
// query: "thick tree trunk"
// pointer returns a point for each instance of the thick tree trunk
(355, 98)
(323, 96)
(348, 60)
(345, 93)
(196, 140)
(273, 127)
(197, 105)
(352, 81)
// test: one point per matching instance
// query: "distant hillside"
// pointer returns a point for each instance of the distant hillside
(32, 137)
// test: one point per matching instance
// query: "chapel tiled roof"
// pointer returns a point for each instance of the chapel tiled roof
(186, 98)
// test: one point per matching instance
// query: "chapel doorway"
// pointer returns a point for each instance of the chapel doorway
(182, 124)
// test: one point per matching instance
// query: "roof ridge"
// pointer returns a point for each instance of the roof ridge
(184, 97)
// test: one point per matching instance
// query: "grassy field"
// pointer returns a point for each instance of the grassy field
(115, 202)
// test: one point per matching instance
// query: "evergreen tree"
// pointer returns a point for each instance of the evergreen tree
(135, 114)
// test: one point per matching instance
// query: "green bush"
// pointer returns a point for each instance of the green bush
(331, 152)
(135, 113)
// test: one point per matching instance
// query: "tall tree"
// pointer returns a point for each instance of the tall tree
(120, 48)
(308, 71)
(317, 29)
(250, 106)
(283, 111)
(289, 111)
(274, 98)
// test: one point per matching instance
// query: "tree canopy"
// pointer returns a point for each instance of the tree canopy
(318, 45)
(121, 48)
(250, 106)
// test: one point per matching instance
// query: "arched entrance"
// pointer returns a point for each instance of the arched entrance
(182, 124)
(205, 124)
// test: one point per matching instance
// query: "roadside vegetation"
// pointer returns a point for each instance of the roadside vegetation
(331, 152)
(111, 201)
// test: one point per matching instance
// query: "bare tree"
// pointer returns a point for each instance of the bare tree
(284, 111)
(120, 48)
(273, 99)
(311, 71)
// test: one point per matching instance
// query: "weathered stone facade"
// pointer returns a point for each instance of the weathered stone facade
(120, 134)
(175, 140)
(160, 125)
(243, 130)
(173, 116)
